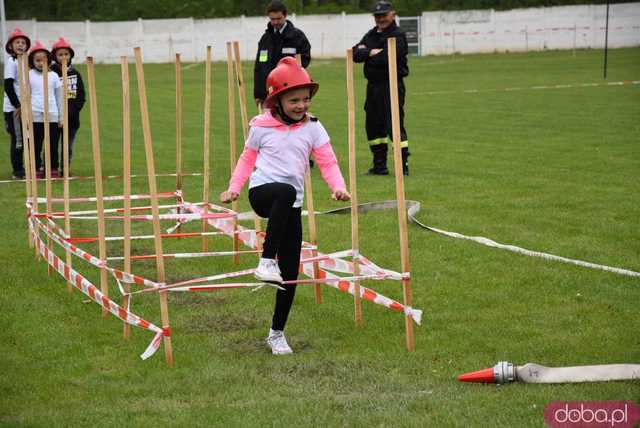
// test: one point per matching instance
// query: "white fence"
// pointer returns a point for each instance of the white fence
(472, 31)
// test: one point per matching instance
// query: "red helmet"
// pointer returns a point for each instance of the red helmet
(286, 76)
(14, 35)
(61, 43)
(38, 47)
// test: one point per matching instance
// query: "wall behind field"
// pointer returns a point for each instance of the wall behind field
(473, 31)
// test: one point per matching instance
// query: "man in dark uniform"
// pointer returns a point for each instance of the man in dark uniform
(280, 39)
(372, 51)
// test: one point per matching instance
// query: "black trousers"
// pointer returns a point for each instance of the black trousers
(378, 111)
(73, 130)
(38, 136)
(13, 127)
(284, 239)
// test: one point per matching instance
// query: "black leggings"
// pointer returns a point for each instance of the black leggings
(14, 128)
(284, 239)
(38, 136)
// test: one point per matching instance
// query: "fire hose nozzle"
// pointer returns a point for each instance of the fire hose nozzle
(502, 373)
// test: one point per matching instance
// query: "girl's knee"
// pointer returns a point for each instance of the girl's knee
(287, 193)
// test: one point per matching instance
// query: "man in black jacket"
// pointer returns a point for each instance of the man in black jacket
(280, 39)
(372, 51)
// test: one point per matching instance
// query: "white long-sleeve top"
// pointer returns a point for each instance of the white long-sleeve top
(37, 96)
(10, 72)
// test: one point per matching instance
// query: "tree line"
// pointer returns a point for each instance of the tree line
(126, 10)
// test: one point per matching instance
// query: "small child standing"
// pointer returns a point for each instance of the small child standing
(279, 145)
(17, 44)
(60, 52)
(38, 56)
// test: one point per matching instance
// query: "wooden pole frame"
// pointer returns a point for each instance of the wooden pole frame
(355, 245)
(206, 148)
(232, 70)
(241, 90)
(178, 68)
(126, 172)
(402, 211)
(311, 215)
(313, 231)
(47, 152)
(26, 142)
(97, 166)
(245, 133)
(153, 192)
(28, 118)
(66, 164)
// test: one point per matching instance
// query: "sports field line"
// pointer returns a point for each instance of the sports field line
(533, 88)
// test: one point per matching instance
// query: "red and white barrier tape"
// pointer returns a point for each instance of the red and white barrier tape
(249, 239)
(109, 177)
(90, 290)
(161, 195)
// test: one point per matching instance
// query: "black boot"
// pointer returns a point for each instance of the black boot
(379, 160)
(405, 160)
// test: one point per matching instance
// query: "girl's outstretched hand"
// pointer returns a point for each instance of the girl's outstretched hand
(228, 196)
(341, 195)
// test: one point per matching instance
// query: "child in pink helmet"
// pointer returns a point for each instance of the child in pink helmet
(279, 145)
(61, 52)
(38, 57)
(17, 44)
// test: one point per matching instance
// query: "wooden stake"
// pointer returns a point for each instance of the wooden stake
(25, 138)
(97, 166)
(47, 152)
(126, 174)
(353, 187)
(313, 233)
(397, 166)
(27, 112)
(231, 107)
(241, 90)
(28, 118)
(153, 192)
(178, 132)
(66, 164)
(311, 214)
(205, 170)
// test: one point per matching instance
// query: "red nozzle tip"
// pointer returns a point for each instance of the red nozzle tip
(483, 376)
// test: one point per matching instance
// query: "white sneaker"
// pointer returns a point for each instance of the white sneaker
(278, 343)
(268, 271)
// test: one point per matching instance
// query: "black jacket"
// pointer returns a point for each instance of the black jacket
(272, 47)
(376, 68)
(75, 88)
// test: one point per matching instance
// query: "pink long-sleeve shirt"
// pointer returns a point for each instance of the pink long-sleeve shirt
(280, 154)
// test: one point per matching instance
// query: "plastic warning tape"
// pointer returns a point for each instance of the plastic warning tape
(248, 237)
(161, 195)
(348, 286)
(90, 290)
(95, 261)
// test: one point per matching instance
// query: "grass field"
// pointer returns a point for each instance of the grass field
(554, 170)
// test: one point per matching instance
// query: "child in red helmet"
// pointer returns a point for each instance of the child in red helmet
(38, 56)
(279, 145)
(60, 52)
(17, 44)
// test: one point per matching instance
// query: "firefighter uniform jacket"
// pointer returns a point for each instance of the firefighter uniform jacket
(273, 46)
(376, 68)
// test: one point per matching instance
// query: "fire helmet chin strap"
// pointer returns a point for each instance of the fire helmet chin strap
(288, 119)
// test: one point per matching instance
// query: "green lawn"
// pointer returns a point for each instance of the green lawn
(554, 170)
